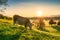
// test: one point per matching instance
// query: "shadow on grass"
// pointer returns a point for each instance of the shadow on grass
(9, 37)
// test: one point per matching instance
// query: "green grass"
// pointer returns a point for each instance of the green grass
(13, 32)
(56, 27)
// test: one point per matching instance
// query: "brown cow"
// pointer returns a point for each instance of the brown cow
(22, 21)
(51, 22)
(58, 23)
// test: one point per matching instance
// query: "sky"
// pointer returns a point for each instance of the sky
(30, 8)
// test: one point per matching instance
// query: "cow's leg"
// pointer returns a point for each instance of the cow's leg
(25, 26)
(30, 27)
(14, 22)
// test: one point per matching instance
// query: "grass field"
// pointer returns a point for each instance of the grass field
(13, 32)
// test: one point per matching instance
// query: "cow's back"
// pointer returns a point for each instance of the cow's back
(20, 20)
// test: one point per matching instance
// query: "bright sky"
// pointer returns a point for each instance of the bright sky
(29, 8)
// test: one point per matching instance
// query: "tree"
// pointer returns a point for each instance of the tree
(1, 16)
(58, 23)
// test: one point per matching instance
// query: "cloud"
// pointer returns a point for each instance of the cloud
(3, 2)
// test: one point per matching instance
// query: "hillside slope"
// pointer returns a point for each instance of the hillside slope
(12, 32)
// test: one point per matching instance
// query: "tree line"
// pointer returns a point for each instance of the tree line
(5, 17)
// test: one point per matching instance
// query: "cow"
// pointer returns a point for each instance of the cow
(51, 22)
(22, 21)
(58, 23)
(39, 23)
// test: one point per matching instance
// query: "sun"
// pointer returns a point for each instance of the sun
(39, 13)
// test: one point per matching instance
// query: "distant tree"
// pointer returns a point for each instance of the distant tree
(5, 17)
(1, 16)
(8, 18)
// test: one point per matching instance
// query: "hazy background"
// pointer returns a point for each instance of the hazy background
(28, 8)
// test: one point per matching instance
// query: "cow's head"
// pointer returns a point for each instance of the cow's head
(30, 25)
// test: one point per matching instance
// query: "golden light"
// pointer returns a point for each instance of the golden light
(39, 13)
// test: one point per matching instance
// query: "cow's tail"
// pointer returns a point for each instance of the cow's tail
(14, 20)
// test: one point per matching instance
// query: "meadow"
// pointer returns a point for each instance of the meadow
(8, 31)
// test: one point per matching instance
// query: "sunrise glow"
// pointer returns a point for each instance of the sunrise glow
(39, 13)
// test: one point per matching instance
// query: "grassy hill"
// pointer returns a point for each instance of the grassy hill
(13, 32)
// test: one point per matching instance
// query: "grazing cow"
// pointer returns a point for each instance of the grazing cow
(58, 23)
(35, 23)
(39, 23)
(22, 21)
(52, 22)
